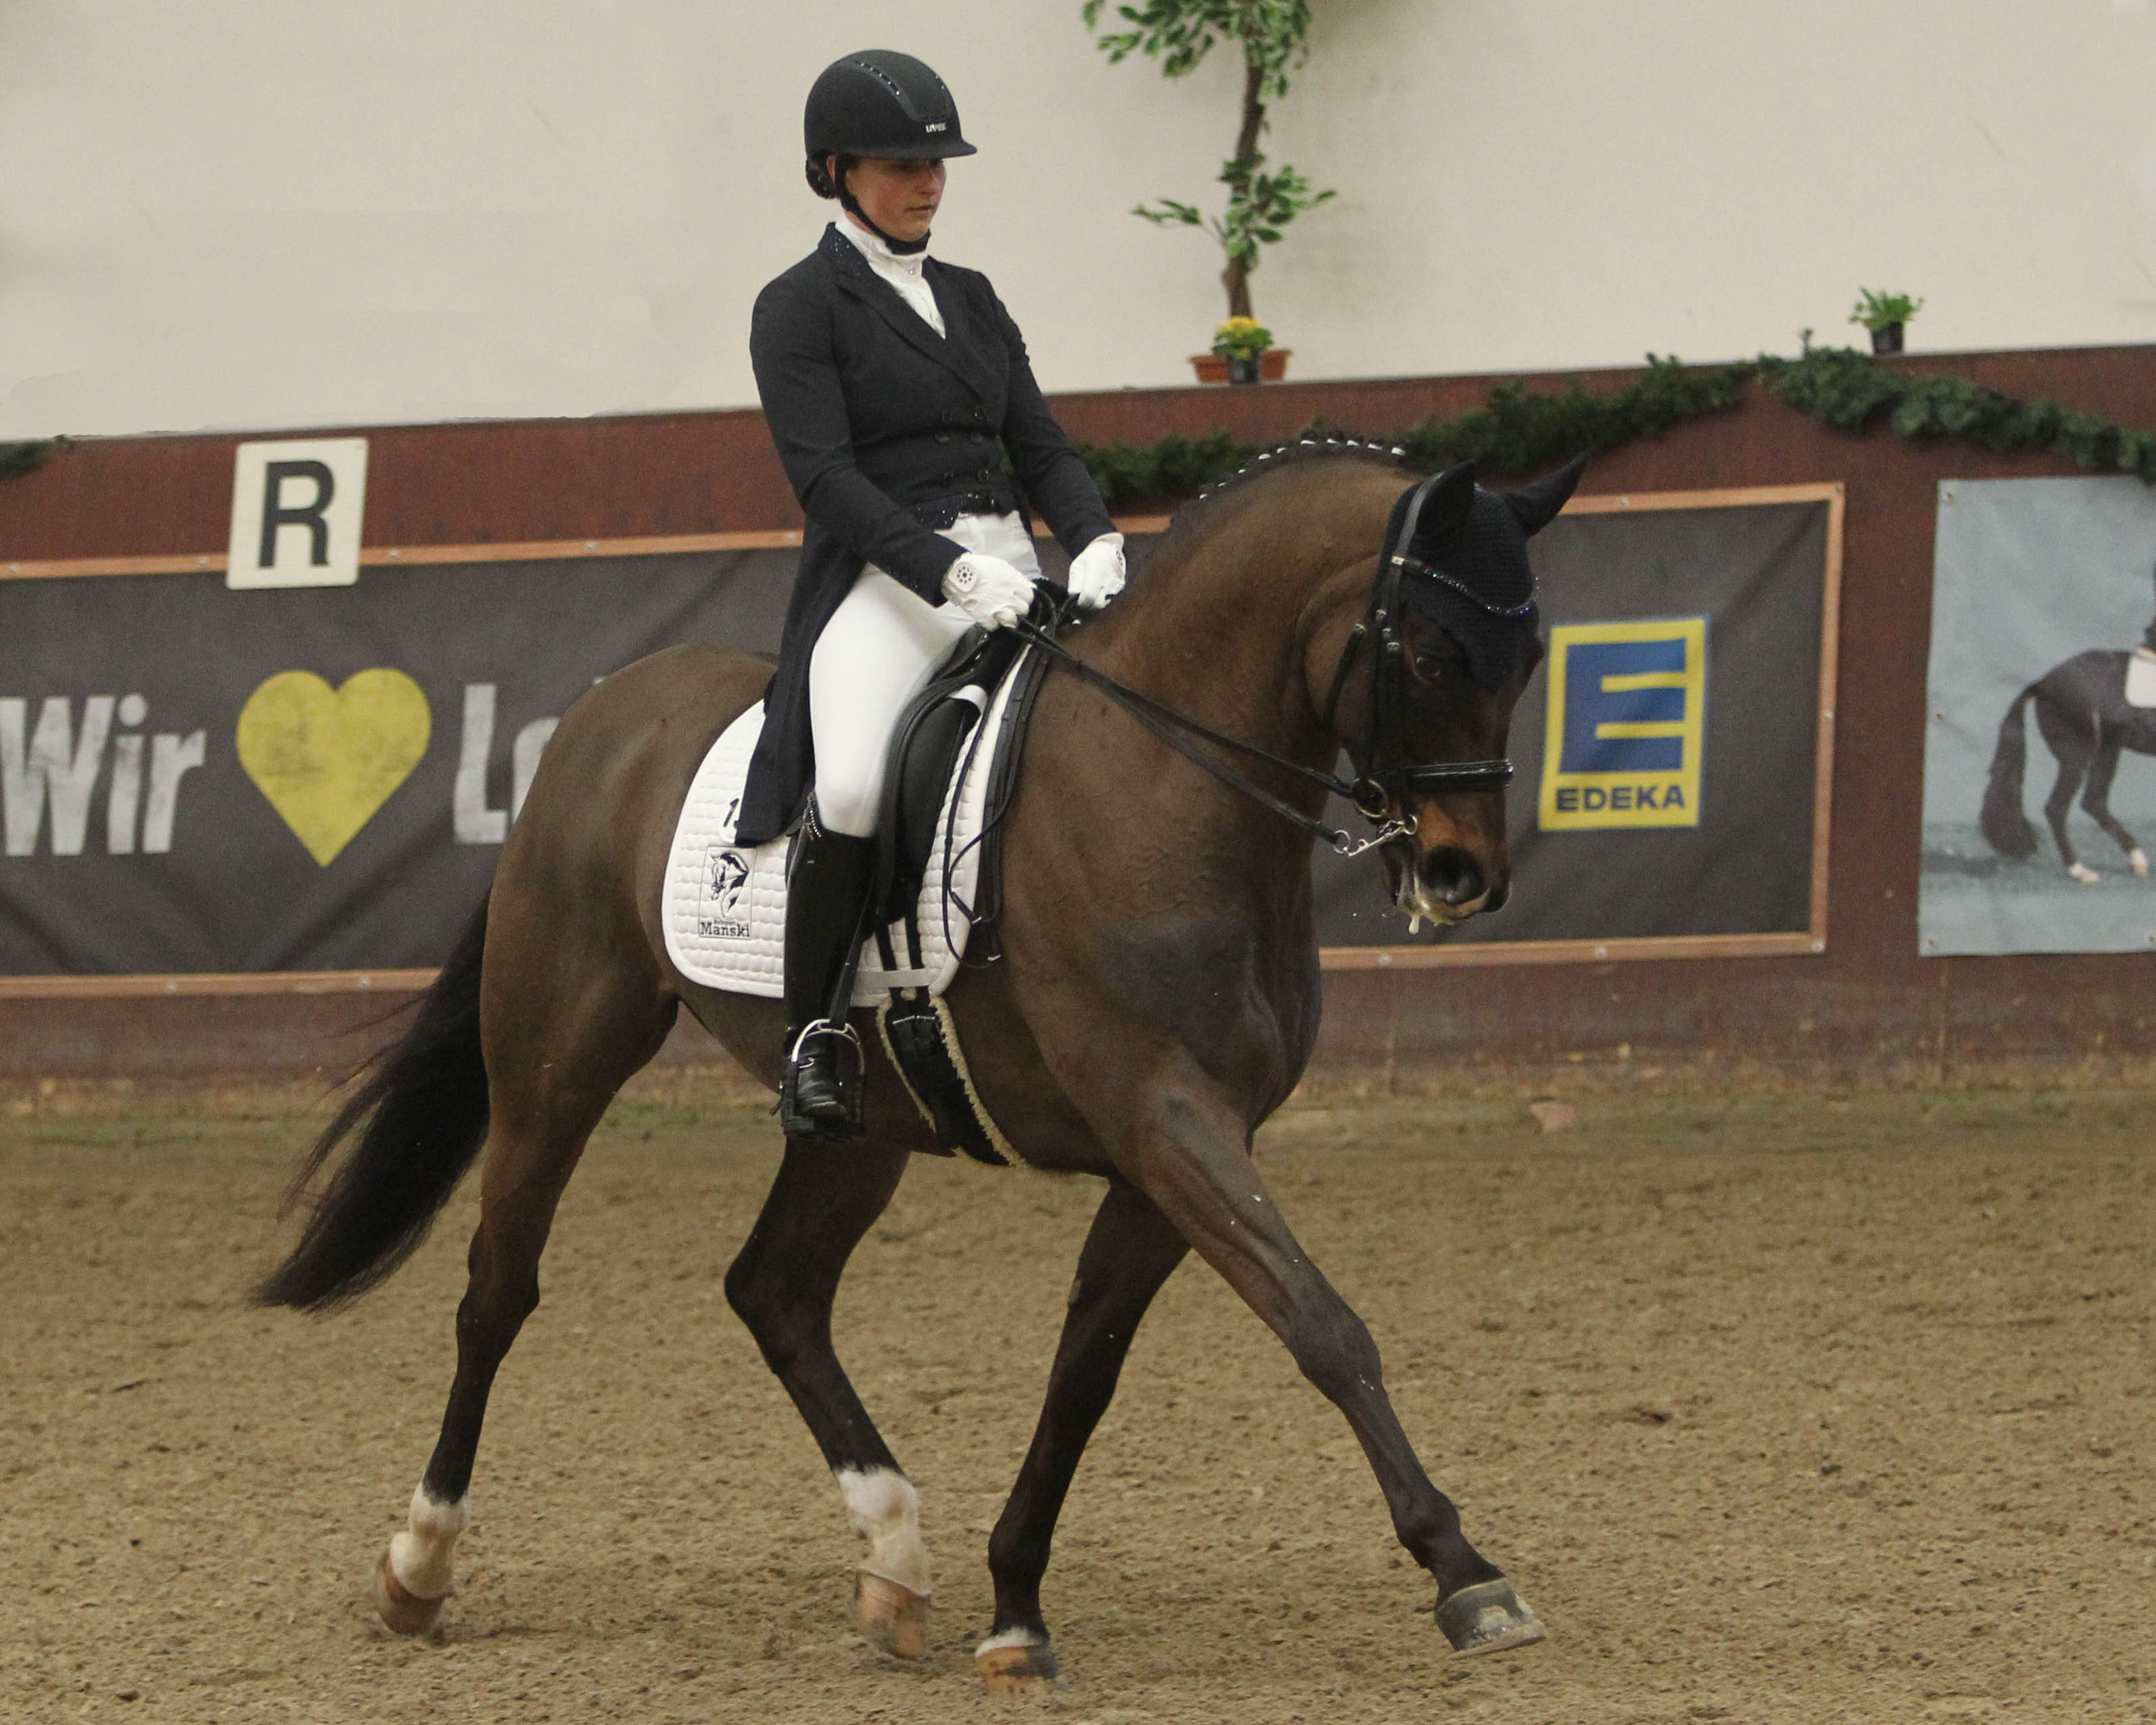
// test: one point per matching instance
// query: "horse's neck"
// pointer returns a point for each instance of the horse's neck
(1223, 635)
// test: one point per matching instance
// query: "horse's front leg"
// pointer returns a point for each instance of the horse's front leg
(784, 1284)
(1189, 1153)
(2096, 798)
(1130, 1251)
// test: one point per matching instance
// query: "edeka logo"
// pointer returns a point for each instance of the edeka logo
(1627, 725)
(327, 759)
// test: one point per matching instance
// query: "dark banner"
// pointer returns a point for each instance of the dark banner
(1667, 748)
(196, 779)
(305, 779)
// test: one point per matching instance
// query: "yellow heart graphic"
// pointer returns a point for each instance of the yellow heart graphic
(327, 759)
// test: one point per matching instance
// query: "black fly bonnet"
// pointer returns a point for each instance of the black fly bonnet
(1462, 553)
(1457, 555)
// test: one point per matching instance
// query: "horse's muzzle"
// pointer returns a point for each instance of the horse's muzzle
(1446, 883)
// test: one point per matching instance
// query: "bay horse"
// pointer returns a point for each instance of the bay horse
(1158, 998)
(2083, 713)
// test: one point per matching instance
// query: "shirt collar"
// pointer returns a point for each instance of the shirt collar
(873, 248)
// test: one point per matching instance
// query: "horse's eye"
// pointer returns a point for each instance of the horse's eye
(1429, 667)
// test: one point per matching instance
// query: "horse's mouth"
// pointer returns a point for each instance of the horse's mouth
(1416, 899)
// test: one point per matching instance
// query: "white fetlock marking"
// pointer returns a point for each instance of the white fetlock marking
(1010, 1638)
(2086, 875)
(2140, 860)
(883, 1507)
(423, 1556)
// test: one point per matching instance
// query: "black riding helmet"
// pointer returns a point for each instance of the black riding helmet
(878, 102)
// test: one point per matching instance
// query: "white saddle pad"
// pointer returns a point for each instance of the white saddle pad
(2140, 678)
(725, 906)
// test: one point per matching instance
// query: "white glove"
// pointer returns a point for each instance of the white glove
(1096, 572)
(987, 589)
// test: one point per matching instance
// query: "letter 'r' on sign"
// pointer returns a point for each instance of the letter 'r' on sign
(296, 511)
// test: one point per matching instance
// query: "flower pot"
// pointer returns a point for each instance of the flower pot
(1212, 368)
(1242, 369)
(1886, 338)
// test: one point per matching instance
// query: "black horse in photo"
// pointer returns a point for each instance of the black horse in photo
(2085, 719)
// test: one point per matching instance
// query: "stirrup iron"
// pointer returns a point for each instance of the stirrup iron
(817, 1053)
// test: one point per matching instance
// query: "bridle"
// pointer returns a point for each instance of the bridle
(1382, 789)
(1380, 794)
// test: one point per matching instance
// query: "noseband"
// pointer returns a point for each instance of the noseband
(1378, 796)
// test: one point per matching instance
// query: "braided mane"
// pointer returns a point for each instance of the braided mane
(1303, 452)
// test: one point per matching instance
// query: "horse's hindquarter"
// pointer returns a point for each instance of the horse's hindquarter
(578, 891)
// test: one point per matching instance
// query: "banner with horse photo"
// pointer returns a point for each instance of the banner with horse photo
(1672, 754)
(2042, 691)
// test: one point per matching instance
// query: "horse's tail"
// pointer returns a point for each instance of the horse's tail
(2005, 827)
(420, 1110)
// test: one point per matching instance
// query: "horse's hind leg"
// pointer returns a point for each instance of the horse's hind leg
(555, 1055)
(2096, 799)
(2074, 750)
(784, 1284)
(1130, 1251)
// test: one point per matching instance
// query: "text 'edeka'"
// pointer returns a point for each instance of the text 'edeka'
(1627, 725)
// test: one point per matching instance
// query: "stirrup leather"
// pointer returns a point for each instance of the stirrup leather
(835, 1084)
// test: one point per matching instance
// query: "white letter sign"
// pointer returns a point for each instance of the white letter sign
(296, 509)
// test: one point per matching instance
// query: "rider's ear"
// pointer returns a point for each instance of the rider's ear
(1535, 506)
(1443, 510)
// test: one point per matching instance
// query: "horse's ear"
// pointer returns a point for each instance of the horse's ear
(1536, 505)
(1444, 510)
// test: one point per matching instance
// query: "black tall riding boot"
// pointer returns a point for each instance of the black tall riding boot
(827, 901)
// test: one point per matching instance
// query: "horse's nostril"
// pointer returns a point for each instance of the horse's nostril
(1452, 875)
(1498, 894)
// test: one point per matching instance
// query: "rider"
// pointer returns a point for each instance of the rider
(897, 390)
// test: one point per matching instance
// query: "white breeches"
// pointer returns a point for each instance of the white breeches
(879, 649)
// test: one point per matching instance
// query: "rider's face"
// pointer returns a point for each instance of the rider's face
(899, 197)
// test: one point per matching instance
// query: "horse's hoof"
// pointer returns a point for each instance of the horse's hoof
(2086, 875)
(2138, 860)
(894, 1618)
(405, 1613)
(1488, 1618)
(1025, 1668)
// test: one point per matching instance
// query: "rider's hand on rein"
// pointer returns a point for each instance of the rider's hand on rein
(1096, 572)
(987, 589)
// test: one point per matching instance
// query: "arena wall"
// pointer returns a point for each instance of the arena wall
(1868, 1006)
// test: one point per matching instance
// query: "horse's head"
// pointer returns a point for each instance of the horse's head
(1452, 636)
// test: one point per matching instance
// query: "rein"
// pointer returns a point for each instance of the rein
(1377, 796)
(1163, 721)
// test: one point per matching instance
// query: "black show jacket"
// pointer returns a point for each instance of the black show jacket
(887, 431)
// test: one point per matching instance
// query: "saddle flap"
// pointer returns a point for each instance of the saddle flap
(926, 748)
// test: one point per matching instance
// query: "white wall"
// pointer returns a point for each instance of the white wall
(289, 213)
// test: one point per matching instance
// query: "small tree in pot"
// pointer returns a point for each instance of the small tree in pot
(1273, 36)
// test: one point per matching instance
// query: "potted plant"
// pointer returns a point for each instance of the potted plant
(1245, 346)
(1273, 36)
(1884, 314)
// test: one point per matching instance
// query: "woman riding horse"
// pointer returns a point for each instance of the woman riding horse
(892, 382)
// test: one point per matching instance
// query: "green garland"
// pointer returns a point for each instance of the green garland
(1516, 433)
